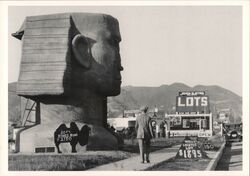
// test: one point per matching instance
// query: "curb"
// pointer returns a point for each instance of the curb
(213, 163)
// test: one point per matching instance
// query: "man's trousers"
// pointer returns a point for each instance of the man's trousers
(144, 146)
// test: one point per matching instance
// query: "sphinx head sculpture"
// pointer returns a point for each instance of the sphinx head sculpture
(70, 64)
(64, 54)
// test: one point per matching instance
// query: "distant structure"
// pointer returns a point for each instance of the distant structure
(127, 120)
(70, 63)
(225, 116)
(131, 113)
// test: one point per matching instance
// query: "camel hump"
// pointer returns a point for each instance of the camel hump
(84, 135)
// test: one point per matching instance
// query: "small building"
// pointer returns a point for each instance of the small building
(122, 122)
(131, 113)
(127, 120)
(224, 115)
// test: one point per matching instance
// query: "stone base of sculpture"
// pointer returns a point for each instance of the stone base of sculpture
(53, 115)
(42, 136)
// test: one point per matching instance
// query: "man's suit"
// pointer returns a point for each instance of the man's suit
(144, 134)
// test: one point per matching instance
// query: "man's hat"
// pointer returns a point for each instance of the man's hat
(144, 108)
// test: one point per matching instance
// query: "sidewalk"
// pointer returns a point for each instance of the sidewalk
(133, 163)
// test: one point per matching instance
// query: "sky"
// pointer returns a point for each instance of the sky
(194, 45)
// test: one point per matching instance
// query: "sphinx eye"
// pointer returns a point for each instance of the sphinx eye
(115, 43)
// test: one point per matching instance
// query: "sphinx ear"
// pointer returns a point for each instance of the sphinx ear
(81, 50)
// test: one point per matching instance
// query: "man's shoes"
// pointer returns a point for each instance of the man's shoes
(142, 162)
(148, 161)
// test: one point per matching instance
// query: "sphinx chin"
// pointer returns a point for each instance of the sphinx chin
(113, 90)
(115, 93)
(109, 92)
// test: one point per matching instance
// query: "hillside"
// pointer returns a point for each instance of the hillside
(165, 98)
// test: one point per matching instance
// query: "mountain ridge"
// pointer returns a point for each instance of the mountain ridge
(164, 97)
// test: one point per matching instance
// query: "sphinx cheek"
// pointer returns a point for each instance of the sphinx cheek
(104, 55)
(98, 52)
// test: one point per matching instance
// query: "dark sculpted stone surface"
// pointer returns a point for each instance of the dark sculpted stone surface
(70, 64)
(64, 53)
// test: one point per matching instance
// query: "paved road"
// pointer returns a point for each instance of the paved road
(231, 158)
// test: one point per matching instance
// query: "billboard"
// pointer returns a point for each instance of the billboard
(192, 102)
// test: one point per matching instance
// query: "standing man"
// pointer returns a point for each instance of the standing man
(144, 133)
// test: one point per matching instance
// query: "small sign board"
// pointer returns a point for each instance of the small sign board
(191, 93)
(44, 149)
(204, 134)
(208, 146)
(191, 149)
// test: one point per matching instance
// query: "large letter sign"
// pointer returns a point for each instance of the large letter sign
(192, 103)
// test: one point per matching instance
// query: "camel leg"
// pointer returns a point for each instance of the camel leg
(73, 146)
(58, 149)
